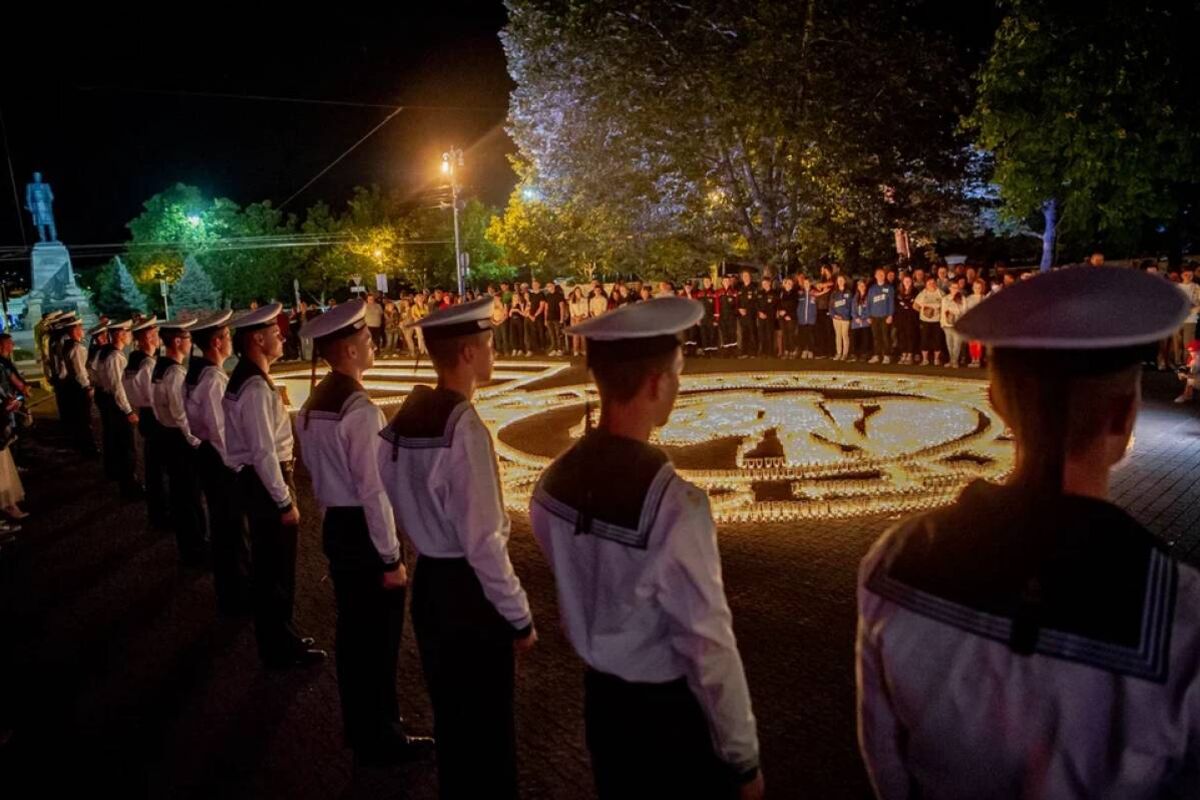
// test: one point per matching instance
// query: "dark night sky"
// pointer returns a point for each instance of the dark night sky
(106, 148)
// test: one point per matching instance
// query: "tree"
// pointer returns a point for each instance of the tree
(194, 291)
(1092, 119)
(116, 294)
(774, 133)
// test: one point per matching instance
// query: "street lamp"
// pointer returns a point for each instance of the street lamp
(452, 159)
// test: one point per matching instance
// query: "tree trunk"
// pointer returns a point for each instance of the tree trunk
(1050, 213)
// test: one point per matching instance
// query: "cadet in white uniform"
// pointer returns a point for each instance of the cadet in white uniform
(117, 415)
(204, 388)
(178, 443)
(633, 548)
(258, 441)
(1033, 640)
(469, 610)
(338, 431)
(139, 388)
(75, 388)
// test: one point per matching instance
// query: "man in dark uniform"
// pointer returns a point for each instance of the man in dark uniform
(1033, 639)
(747, 309)
(727, 316)
(338, 430)
(139, 388)
(765, 318)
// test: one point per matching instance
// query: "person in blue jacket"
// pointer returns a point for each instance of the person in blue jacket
(881, 299)
(860, 322)
(840, 301)
(806, 317)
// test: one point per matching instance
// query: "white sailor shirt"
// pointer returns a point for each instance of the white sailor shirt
(1015, 646)
(110, 370)
(338, 430)
(93, 363)
(439, 470)
(169, 376)
(203, 390)
(73, 364)
(139, 379)
(258, 431)
(633, 548)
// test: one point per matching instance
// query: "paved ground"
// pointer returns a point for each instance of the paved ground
(121, 680)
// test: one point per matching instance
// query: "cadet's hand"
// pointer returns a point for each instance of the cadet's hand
(132, 417)
(290, 517)
(888, 320)
(396, 578)
(754, 789)
(522, 646)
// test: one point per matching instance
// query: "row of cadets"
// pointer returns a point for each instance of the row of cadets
(666, 705)
(258, 441)
(338, 431)
(204, 389)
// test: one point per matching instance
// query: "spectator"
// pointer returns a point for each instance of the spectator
(881, 299)
(556, 312)
(907, 322)
(499, 325)
(789, 300)
(535, 332)
(841, 300)
(954, 306)
(807, 314)
(598, 303)
(519, 322)
(860, 323)
(392, 322)
(1191, 291)
(768, 304)
(975, 348)
(12, 391)
(928, 305)
(419, 311)
(577, 306)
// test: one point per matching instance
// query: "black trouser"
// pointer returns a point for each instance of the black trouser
(466, 652)
(500, 338)
(377, 337)
(650, 740)
(806, 334)
(747, 343)
(906, 327)
(823, 339)
(881, 333)
(766, 337)
(727, 326)
(860, 342)
(370, 620)
(554, 329)
(708, 334)
(230, 545)
(533, 335)
(791, 332)
(183, 484)
(272, 566)
(154, 467)
(117, 441)
(76, 408)
(516, 334)
(931, 333)
(106, 407)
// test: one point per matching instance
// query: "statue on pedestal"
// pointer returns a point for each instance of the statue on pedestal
(39, 201)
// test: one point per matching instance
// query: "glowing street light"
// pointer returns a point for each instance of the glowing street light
(194, 220)
(450, 159)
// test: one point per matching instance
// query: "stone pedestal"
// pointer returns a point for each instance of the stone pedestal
(48, 260)
(53, 286)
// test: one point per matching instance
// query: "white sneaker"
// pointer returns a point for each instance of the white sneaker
(874, 360)
(887, 359)
(1183, 398)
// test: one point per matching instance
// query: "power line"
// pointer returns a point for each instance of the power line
(280, 99)
(345, 153)
(12, 176)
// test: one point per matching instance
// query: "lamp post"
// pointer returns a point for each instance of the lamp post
(452, 159)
